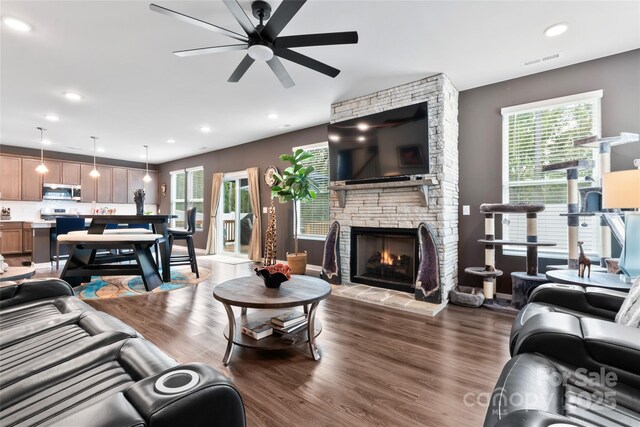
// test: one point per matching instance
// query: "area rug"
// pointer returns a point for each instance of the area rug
(102, 287)
(227, 259)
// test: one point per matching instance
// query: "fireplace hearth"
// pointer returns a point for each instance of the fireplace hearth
(384, 257)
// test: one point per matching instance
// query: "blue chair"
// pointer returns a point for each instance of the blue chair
(64, 226)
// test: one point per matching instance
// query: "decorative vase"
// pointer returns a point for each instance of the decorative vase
(297, 262)
(138, 198)
(274, 275)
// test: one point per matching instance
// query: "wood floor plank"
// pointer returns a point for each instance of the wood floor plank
(379, 366)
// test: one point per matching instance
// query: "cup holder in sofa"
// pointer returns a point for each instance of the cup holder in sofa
(177, 381)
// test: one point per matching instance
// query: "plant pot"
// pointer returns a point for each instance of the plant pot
(297, 262)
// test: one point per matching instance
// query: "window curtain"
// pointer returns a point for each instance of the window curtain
(255, 245)
(216, 188)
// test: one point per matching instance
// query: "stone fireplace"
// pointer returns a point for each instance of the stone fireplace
(386, 210)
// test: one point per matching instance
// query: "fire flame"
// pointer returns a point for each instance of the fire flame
(387, 258)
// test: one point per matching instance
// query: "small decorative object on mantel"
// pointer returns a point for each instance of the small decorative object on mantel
(274, 275)
(138, 198)
(6, 213)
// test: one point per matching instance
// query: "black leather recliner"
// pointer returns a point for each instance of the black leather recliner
(591, 302)
(578, 371)
(63, 363)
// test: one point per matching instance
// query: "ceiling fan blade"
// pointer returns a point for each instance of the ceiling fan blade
(241, 69)
(238, 12)
(206, 50)
(348, 37)
(305, 61)
(280, 18)
(202, 24)
(280, 72)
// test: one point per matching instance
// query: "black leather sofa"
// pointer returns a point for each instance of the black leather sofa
(63, 363)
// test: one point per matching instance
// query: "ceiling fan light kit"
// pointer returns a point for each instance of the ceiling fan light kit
(263, 42)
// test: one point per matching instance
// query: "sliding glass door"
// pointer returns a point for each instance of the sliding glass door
(234, 228)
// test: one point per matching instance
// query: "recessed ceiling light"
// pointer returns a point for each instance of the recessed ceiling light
(362, 138)
(272, 116)
(16, 24)
(46, 142)
(171, 141)
(556, 29)
(205, 129)
(100, 150)
(363, 126)
(51, 117)
(72, 96)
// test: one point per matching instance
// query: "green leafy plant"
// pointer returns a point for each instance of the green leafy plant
(295, 184)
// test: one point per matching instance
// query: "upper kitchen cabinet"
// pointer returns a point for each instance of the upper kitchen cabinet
(119, 184)
(134, 179)
(104, 184)
(151, 189)
(54, 176)
(11, 173)
(31, 180)
(87, 184)
(71, 173)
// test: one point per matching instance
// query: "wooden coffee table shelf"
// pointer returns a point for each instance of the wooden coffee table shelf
(250, 292)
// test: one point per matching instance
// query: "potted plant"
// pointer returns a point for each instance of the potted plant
(295, 184)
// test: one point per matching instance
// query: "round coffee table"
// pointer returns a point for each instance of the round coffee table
(17, 273)
(250, 292)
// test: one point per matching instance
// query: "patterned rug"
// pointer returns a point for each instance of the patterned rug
(127, 286)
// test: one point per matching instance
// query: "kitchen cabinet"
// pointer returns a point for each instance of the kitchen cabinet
(71, 173)
(134, 181)
(31, 180)
(11, 173)
(27, 238)
(10, 238)
(119, 184)
(54, 176)
(104, 185)
(88, 184)
(151, 189)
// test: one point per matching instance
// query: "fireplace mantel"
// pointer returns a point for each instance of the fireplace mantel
(422, 184)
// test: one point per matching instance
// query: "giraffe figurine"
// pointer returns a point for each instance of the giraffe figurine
(270, 241)
(583, 262)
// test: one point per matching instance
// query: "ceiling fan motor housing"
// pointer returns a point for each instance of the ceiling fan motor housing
(261, 10)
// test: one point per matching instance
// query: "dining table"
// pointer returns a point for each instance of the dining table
(159, 224)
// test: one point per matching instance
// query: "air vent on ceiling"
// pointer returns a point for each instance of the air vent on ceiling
(541, 59)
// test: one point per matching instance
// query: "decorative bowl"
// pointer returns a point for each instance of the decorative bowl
(274, 275)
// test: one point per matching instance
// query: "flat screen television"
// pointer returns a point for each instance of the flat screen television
(393, 143)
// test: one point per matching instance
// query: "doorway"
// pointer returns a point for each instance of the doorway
(236, 222)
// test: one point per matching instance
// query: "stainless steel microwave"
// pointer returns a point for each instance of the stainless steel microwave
(60, 192)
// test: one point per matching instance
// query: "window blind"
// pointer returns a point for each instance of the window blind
(539, 136)
(313, 217)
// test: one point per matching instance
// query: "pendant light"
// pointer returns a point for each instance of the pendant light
(94, 172)
(147, 178)
(41, 168)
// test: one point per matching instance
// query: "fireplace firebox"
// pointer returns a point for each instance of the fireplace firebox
(384, 257)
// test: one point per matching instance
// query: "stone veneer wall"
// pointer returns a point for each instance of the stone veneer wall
(400, 207)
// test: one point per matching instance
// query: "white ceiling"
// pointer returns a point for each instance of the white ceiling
(117, 54)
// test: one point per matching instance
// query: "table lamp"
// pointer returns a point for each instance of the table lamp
(621, 190)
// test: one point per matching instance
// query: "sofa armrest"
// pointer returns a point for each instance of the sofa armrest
(193, 395)
(33, 290)
(595, 301)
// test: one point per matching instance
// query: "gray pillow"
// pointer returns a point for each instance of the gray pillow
(629, 314)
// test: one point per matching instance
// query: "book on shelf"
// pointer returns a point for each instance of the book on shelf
(257, 330)
(289, 318)
(289, 329)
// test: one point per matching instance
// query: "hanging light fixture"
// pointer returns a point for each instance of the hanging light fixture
(94, 172)
(41, 168)
(147, 177)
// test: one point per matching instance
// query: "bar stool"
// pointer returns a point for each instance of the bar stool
(185, 234)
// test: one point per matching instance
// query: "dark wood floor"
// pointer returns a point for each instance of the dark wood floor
(379, 366)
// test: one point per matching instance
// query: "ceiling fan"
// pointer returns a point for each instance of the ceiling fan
(263, 42)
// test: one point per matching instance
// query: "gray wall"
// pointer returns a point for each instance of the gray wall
(261, 154)
(480, 140)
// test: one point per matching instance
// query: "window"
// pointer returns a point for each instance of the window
(187, 190)
(313, 217)
(538, 134)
